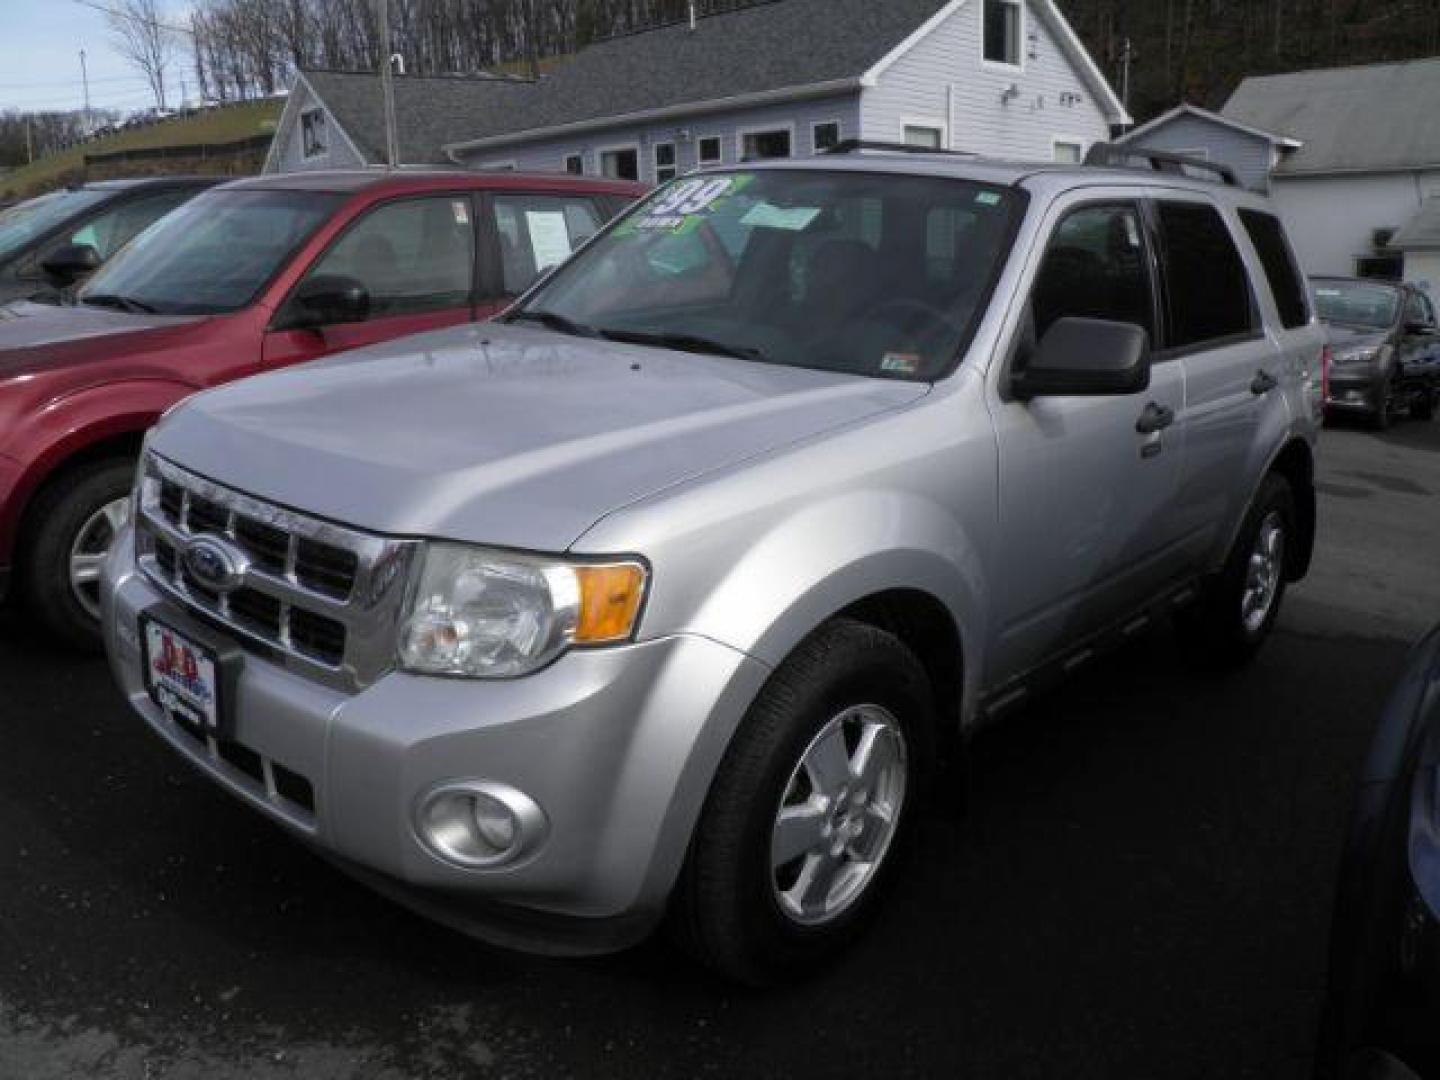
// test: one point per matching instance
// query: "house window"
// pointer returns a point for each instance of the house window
(929, 136)
(1002, 32)
(575, 164)
(312, 133)
(824, 136)
(1068, 152)
(622, 163)
(1381, 267)
(758, 145)
(664, 162)
(710, 150)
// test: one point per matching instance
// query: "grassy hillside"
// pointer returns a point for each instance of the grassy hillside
(215, 126)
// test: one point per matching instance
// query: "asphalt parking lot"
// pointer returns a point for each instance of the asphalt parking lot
(1140, 889)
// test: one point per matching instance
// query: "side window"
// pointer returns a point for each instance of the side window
(1281, 270)
(412, 256)
(108, 232)
(539, 232)
(1207, 290)
(1418, 310)
(1095, 268)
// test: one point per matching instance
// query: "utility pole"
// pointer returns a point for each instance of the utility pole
(85, 79)
(1127, 57)
(29, 147)
(387, 87)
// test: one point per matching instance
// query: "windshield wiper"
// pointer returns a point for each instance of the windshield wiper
(685, 343)
(122, 303)
(553, 320)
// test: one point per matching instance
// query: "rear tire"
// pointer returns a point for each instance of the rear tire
(1384, 414)
(69, 529)
(1424, 406)
(1238, 607)
(742, 907)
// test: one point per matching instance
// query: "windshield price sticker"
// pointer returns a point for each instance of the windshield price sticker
(677, 207)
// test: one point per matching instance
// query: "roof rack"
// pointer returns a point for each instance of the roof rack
(850, 146)
(1157, 160)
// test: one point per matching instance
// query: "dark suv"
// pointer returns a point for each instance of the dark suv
(56, 239)
(1385, 349)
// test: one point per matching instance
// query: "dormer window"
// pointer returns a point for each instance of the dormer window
(1002, 32)
(312, 133)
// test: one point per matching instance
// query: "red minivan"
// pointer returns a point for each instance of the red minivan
(250, 276)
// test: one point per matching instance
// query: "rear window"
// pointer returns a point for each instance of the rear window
(1286, 286)
(1206, 288)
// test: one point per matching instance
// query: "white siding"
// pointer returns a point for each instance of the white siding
(1331, 220)
(1248, 155)
(943, 76)
(1423, 268)
(286, 155)
(549, 155)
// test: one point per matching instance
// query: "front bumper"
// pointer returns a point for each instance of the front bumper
(617, 746)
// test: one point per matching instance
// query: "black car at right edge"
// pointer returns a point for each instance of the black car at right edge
(1385, 349)
(1382, 1011)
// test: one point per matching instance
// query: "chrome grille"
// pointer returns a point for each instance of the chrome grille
(321, 598)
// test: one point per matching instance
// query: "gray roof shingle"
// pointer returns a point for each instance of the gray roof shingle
(429, 112)
(1377, 117)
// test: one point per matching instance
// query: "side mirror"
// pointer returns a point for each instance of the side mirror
(1086, 358)
(326, 300)
(70, 264)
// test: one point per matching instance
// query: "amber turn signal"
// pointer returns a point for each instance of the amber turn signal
(610, 597)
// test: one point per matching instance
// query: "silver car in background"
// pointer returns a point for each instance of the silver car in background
(668, 594)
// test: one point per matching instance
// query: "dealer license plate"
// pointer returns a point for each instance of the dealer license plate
(183, 676)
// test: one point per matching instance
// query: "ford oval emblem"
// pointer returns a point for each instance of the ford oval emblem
(214, 565)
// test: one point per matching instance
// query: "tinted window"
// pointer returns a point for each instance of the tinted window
(213, 253)
(1357, 303)
(1094, 268)
(874, 275)
(538, 232)
(411, 256)
(1417, 310)
(111, 230)
(28, 220)
(1206, 288)
(1268, 236)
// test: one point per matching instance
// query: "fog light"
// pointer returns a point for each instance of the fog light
(479, 824)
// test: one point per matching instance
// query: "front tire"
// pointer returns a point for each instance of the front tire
(1237, 609)
(70, 527)
(1423, 407)
(812, 808)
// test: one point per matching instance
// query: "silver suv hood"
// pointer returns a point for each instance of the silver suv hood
(502, 434)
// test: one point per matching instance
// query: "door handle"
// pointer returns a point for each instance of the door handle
(1263, 383)
(1156, 417)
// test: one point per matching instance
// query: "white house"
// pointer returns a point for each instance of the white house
(789, 78)
(1354, 161)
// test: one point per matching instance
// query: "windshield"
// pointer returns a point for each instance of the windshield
(868, 273)
(24, 222)
(1357, 303)
(211, 255)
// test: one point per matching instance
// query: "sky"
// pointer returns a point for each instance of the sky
(40, 43)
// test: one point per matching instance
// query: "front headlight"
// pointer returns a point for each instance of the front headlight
(494, 615)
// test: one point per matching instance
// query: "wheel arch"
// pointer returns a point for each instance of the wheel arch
(117, 436)
(1295, 461)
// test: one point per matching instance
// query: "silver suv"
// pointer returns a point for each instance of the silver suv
(667, 594)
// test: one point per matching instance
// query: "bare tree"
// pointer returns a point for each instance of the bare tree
(142, 37)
